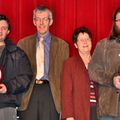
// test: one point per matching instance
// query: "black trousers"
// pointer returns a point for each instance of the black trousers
(41, 105)
(93, 113)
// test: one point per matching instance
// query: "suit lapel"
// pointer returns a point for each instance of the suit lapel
(33, 54)
(53, 51)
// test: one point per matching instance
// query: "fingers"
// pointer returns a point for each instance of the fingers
(3, 88)
(116, 82)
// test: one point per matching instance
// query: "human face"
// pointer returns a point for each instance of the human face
(117, 21)
(3, 30)
(83, 43)
(42, 22)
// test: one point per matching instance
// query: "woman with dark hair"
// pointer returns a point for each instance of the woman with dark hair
(78, 93)
(104, 68)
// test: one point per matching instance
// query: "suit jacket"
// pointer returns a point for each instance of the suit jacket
(75, 89)
(59, 51)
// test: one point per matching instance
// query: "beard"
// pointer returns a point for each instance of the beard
(117, 31)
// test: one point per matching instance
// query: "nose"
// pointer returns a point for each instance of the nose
(84, 41)
(41, 21)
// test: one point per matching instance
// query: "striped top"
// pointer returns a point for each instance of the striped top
(92, 94)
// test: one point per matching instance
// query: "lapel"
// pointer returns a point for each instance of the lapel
(32, 53)
(53, 51)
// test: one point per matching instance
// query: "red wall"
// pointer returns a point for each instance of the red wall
(68, 14)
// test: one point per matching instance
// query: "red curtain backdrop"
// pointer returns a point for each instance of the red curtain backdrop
(68, 14)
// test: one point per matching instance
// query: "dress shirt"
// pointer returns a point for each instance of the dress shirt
(47, 40)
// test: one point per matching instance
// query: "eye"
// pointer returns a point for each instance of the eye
(4, 28)
(118, 20)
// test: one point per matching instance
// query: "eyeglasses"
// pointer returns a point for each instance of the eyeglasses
(118, 20)
(41, 19)
(4, 28)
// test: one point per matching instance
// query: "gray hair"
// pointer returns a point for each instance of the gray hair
(43, 8)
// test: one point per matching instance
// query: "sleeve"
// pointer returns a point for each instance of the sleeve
(96, 67)
(22, 75)
(66, 91)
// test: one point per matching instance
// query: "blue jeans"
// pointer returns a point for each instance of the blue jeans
(106, 118)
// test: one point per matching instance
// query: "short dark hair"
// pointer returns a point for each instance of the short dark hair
(3, 17)
(81, 29)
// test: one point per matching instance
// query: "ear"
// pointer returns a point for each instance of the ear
(75, 45)
(51, 22)
(8, 32)
(34, 23)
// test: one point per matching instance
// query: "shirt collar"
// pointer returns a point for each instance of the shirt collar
(47, 38)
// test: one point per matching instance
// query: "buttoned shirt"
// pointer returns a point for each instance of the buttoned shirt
(46, 41)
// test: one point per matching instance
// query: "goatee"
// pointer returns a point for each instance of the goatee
(117, 32)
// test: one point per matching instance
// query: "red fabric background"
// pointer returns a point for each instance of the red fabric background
(68, 14)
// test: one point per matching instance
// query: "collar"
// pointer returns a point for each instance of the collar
(47, 38)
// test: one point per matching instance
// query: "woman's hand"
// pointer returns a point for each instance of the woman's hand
(116, 82)
(3, 88)
(70, 118)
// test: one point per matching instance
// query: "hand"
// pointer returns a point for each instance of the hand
(116, 82)
(3, 88)
(70, 118)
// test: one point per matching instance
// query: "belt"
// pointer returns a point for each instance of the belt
(39, 82)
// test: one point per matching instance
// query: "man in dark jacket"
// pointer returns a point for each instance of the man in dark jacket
(15, 73)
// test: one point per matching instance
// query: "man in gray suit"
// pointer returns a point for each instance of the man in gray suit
(47, 54)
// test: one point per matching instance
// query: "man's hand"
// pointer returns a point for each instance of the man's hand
(3, 88)
(70, 118)
(116, 82)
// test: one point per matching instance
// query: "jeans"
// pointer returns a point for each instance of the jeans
(106, 118)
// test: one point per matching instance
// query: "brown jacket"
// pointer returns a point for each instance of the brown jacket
(104, 64)
(59, 51)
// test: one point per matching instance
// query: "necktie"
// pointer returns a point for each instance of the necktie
(40, 59)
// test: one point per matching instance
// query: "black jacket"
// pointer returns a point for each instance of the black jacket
(17, 74)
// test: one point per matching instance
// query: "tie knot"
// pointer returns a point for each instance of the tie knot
(41, 40)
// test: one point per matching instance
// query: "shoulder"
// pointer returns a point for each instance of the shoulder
(27, 38)
(16, 52)
(102, 42)
(58, 40)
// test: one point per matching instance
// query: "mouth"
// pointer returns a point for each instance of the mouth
(86, 46)
(41, 27)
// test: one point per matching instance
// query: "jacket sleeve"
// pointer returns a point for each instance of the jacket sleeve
(96, 66)
(23, 75)
(66, 91)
